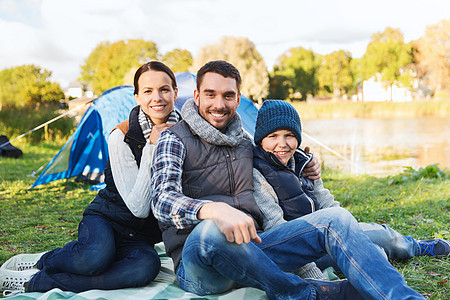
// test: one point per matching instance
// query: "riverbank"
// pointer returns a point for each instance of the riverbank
(346, 109)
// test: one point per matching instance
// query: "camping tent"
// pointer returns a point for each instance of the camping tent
(86, 151)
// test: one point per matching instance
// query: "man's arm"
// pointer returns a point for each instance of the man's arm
(312, 169)
(169, 204)
(234, 224)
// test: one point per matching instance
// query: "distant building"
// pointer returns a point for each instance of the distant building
(75, 90)
(375, 90)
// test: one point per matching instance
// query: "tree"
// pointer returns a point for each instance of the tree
(298, 67)
(109, 64)
(334, 72)
(242, 53)
(389, 56)
(28, 84)
(433, 56)
(179, 60)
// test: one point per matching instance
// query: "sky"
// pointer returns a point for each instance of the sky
(59, 35)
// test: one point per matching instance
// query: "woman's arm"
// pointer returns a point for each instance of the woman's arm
(133, 183)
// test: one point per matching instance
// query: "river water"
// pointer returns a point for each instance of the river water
(379, 146)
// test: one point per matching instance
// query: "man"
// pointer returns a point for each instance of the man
(202, 194)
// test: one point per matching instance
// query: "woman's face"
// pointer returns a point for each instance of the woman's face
(156, 95)
(282, 143)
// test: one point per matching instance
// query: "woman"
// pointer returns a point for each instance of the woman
(118, 231)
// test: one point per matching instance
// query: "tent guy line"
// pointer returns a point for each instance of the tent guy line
(43, 124)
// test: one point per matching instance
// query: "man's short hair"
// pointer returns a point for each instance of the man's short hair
(220, 67)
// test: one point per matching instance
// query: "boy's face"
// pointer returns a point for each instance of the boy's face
(282, 143)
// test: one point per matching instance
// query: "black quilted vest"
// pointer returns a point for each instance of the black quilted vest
(295, 193)
(217, 173)
(108, 202)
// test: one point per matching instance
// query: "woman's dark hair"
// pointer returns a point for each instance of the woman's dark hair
(154, 66)
(220, 67)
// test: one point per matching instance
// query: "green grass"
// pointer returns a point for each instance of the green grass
(415, 203)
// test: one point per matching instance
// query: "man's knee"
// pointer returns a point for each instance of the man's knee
(206, 233)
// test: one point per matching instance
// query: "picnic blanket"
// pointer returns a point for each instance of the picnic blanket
(164, 286)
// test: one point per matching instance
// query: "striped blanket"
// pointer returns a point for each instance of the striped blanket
(164, 286)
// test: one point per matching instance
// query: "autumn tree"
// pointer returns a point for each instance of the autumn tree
(242, 53)
(433, 56)
(389, 56)
(296, 71)
(178, 60)
(109, 65)
(28, 84)
(334, 73)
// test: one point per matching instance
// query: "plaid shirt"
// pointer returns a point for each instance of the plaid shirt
(170, 206)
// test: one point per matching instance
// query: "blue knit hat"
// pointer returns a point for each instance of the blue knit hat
(274, 115)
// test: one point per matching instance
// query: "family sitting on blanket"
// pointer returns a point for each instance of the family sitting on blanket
(203, 170)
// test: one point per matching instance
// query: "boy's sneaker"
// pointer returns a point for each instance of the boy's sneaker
(338, 289)
(12, 282)
(22, 262)
(434, 247)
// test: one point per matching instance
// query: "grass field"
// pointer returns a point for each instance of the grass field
(416, 203)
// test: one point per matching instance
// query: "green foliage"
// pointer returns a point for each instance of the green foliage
(388, 56)
(298, 70)
(279, 86)
(28, 85)
(242, 53)
(432, 55)
(178, 60)
(335, 73)
(15, 121)
(409, 174)
(109, 65)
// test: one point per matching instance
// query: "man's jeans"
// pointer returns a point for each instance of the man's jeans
(393, 243)
(211, 265)
(100, 259)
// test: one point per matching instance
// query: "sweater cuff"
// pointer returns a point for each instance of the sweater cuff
(310, 270)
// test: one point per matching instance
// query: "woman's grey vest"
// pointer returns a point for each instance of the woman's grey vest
(217, 173)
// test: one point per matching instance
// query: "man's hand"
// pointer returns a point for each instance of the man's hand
(234, 224)
(156, 130)
(312, 169)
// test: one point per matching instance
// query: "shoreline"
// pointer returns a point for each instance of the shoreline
(366, 110)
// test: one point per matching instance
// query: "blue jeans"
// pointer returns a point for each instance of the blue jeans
(211, 265)
(393, 243)
(100, 259)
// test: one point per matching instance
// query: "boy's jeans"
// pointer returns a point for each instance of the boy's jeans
(393, 243)
(100, 259)
(211, 265)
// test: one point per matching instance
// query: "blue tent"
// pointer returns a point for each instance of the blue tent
(86, 152)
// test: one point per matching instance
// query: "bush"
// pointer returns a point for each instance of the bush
(16, 121)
